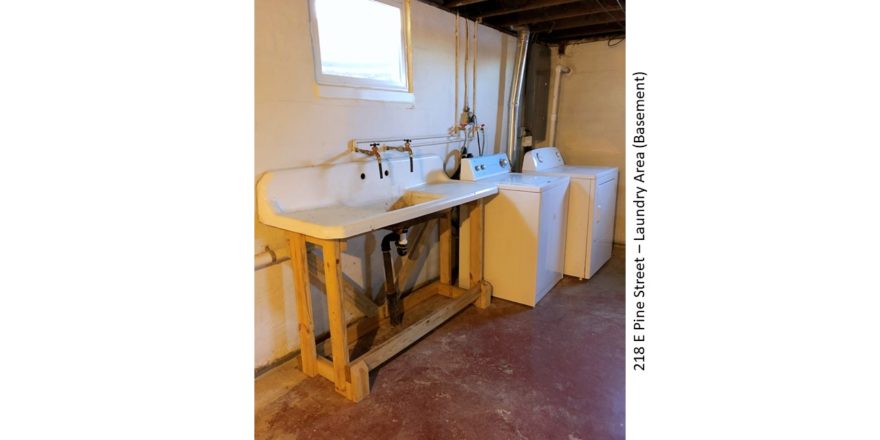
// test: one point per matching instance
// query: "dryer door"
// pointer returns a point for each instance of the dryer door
(603, 224)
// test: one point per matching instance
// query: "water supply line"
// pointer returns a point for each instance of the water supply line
(467, 47)
(474, 76)
(455, 108)
(514, 145)
(554, 103)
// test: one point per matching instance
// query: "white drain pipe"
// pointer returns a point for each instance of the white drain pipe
(269, 257)
(554, 103)
(514, 145)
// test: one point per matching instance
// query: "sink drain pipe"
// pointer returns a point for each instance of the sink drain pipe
(392, 294)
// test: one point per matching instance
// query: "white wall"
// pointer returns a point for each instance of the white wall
(294, 127)
(591, 128)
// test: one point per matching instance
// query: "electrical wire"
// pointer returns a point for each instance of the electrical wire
(477, 135)
(622, 26)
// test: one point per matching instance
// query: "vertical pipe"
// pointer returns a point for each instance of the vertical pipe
(455, 108)
(514, 146)
(554, 103)
(467, 47)
(474, 76)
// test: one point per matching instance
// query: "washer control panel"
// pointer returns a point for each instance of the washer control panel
(477, 168)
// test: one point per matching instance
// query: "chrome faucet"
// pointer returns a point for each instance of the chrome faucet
(407, 148)
(373, 151)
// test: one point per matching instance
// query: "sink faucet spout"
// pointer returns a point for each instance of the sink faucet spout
(406, 148)
(374, 152)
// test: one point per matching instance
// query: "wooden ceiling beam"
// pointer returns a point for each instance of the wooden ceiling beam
(528, 5)
(554, 13)
(460, 3)
(576, 22)
(439, 5)
(579, 33)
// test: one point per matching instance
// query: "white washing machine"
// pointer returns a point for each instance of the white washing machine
(524, 229)
(592, 199)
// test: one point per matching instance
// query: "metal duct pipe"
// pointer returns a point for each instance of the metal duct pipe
(554, 103)
(514, 144)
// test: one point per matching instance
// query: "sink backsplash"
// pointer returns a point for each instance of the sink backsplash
(297, 189)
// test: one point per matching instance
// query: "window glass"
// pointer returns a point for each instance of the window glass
(361, 39)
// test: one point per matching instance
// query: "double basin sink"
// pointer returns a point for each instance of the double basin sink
(338, 201)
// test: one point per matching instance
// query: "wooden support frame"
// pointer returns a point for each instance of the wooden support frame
(300, 263)
(351, 378)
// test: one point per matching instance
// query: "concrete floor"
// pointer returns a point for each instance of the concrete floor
(553, 372)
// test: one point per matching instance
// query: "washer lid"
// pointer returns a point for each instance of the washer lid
(579, 172)
(529, 182)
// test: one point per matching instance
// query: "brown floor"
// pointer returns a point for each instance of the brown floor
(553, 372)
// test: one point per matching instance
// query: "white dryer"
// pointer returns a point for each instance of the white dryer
(592, 199)
(524, 229)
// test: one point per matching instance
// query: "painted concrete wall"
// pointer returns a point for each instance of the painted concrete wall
(295, 127)
(591, 128)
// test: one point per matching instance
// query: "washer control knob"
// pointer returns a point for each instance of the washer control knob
(503, 163)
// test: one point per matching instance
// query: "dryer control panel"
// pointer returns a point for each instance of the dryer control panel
(542, 159)
(478, 168)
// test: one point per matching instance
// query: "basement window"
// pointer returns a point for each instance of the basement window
(360, 44)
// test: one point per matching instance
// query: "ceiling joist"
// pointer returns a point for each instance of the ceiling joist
(550, 21)
(576, 22)
(554, 13)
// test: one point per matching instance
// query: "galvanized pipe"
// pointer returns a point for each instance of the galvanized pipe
(514, 144)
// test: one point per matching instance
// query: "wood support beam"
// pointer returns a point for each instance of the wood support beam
(338, 329)
(578, 22)
(386, 350)
(369, 324)
(460, 3)
(475, 216)
(554, 13)
(575, 34)
(475, 213)
(357, 300)
(445, 248)
(303, 295)
(325, 369)
(529, 5)
(360, 381)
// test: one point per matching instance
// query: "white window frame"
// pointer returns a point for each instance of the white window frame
(364, 83)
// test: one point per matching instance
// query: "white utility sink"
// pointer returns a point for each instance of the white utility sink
(412, 198)
(335, 202)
